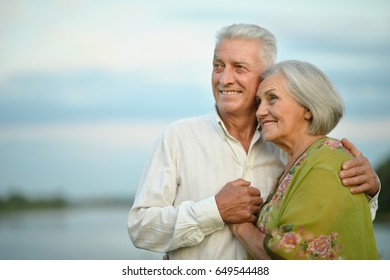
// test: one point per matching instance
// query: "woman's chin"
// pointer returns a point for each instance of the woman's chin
(265, 136)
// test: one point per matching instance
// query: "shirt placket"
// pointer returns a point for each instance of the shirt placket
(242, 158)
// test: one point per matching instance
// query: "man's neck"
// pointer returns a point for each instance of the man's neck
(242, 128)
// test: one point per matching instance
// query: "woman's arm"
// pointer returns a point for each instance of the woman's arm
(251, 238)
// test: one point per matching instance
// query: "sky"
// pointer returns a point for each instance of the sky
(86, 87)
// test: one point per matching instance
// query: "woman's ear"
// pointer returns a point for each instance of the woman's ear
(308, 115)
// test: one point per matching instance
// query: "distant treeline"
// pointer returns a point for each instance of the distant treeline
(17, 202)
(383, 172)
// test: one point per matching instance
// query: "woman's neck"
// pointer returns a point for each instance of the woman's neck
(295, 150)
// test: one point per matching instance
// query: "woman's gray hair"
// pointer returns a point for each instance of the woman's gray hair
(310, 87)
(268, 49)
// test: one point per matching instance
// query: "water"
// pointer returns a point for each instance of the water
(75, 234)
(382, 237)
(94, 234)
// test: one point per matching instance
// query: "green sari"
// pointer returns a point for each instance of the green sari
(311, 215)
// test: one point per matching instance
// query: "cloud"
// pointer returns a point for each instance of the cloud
(79, 95)
(365, 130)
(172, 43)
(110, 135)
(141, 134)
(121, 36)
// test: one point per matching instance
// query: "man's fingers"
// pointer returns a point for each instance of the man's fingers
(360, 189)
(258, 201)
(351, 147)
(353, 167)
(253, 219)
(241, 182)
(238, 201)
(253, 191)
(357, 173)
(355, 181)
(356, 161)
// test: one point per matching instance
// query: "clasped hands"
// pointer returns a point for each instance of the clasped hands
(238, 202)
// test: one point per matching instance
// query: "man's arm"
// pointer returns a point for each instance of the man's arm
(358, 174)
(154, 222)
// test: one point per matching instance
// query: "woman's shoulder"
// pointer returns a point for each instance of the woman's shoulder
(330, 146)
(329, 152)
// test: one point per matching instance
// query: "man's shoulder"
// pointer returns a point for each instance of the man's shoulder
(188, 129)
(190, 122)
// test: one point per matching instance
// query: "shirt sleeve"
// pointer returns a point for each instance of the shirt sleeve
(155, 223)
(373, 202)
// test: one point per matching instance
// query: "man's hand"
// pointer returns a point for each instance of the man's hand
(238, 202)
(357, 173)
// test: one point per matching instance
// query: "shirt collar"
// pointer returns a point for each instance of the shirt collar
(221, 128)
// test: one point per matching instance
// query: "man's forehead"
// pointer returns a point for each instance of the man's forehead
(237, 50)
(238, 45)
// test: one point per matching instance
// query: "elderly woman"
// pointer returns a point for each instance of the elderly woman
(309, 215)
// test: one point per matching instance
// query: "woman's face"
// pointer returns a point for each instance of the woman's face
(283, 120)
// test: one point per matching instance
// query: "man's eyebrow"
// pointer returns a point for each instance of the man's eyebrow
(241, 63)
(234, 62)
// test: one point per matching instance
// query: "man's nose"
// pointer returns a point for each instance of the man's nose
(227, 76)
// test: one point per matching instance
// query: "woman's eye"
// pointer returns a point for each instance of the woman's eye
(273, 97)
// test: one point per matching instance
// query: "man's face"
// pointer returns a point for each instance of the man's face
(236, 76)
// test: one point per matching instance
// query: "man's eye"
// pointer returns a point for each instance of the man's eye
(217, 67)
(241, 68)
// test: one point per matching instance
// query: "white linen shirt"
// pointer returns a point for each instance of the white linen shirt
(175, 209)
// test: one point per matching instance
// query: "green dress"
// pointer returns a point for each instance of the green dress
(311, 215)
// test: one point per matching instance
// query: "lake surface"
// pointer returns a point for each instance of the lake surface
(89, 234)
